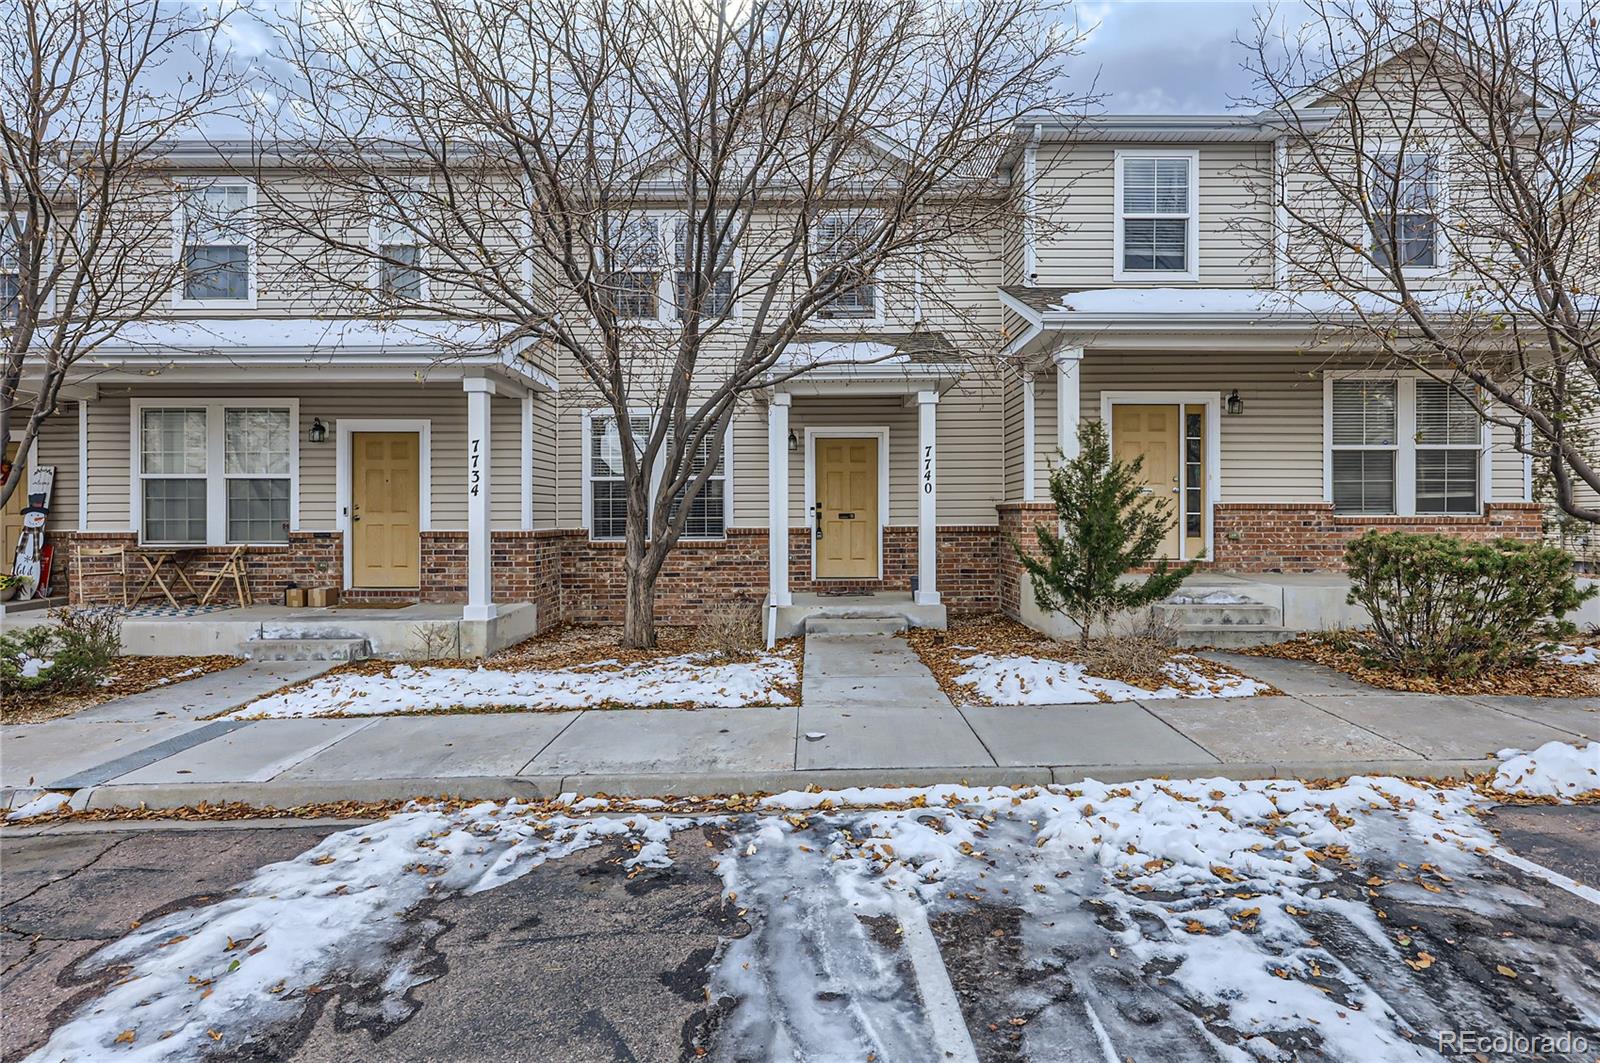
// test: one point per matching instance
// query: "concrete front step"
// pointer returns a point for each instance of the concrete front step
(1220, 636)
(309, 649)
(842, 625)
(1193, 614)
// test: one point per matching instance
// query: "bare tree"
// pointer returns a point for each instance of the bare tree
(92, 93)
(665, 195)
(1439, 194)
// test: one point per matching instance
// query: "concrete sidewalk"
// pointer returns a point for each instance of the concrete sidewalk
(871, 715)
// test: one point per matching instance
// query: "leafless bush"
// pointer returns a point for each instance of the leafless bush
(734, 632)
(1142, 648)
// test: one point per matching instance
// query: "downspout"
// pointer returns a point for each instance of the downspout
(1280, 212)
(1030, 174)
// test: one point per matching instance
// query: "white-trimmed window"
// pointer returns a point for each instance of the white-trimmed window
(397, 244)
(215, 473)
(216, 243)
(635, 267)
(10, 268)
(1404, 445)
(1157, 224)
(605, 498)
(1407, 186)
(839, 239)
(718, 299)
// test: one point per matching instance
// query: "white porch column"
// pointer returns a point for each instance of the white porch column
(927, 507)
(1069, 362)
(778, 499)
(479, 392)
(1028, 458)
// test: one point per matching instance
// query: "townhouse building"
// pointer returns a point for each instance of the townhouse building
(1145, 284)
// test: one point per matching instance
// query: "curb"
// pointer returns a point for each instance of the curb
(288, 793)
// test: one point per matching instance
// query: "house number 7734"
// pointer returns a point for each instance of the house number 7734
(927, 469)
(474, 472)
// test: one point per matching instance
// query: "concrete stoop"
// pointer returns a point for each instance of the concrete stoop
(308, 649)
(856, 614)
(1224, 624)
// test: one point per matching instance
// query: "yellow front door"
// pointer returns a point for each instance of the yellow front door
(385, 510)
(11, 518)
(1152, 432)
(846, 528)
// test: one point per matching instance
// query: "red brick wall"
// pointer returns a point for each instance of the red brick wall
(311, 559)
(1018, 521)
(1309, 537)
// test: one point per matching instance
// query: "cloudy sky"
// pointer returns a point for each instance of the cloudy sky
(1169, 56)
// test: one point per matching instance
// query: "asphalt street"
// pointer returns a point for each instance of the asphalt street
(582, 960)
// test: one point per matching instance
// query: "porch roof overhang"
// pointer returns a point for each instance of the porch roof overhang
(868, 364)
(1265, 318)
(333, 350)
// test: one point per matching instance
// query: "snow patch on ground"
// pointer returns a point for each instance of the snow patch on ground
(330, 914)
(1024, 680)
(1555, 769)
(1211, 598)
(177, 676)
(1565, 654)
(32, 666)
(45, 802)
(687, 679)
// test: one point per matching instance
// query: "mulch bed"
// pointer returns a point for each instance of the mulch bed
(566, 646)
(1000, 636)
(1545, 680)
(129, 676)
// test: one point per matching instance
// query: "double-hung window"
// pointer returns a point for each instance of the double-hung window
(1404, 445)
(839, 242)
(606, 488)
(1405, 191)
(634, 267)
(10, 268)
(217, 243)
(397, 244)
(718, 296)
(215, 473)
(1157, 207)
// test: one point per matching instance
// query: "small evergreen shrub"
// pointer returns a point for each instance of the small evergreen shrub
(73, 654)
(1111, 528)
(1450, 608)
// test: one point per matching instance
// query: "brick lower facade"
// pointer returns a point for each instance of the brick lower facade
(573, 578)
(1309, 537)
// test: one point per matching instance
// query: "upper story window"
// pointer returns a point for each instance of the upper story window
(1406, 189)
(1407, 445)
(838, 241)
(397, 243)
(1157, 215)
(718, 299)
(10, 268)
(217, 227)
(633, 261)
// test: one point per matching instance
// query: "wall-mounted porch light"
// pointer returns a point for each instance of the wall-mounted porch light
(1235, 403)
(318, 432)
(794, 443)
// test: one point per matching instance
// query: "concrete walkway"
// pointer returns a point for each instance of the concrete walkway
(872, 714)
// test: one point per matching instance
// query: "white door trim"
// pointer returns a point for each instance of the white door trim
(881, 433)
(347, 426)
(1212, 401)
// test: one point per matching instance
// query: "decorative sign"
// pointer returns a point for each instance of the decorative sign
(474, 466)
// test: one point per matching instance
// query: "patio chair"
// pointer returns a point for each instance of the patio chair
(119, 551)
(231, 567)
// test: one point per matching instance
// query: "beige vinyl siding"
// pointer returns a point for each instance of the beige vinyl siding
(443, 405)
(546, 462)
(1076, 233)
(1506, 483)
(1012, 420)
(58, 445)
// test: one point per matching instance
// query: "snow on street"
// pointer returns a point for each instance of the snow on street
(1157, 920)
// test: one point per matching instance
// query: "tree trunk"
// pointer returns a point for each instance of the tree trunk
(639, 620)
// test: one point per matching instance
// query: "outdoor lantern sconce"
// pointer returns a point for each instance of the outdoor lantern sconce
(1235, 403)
(318, 432)
(794, 443)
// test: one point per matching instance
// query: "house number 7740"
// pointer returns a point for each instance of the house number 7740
(474, 473)
(927, 469)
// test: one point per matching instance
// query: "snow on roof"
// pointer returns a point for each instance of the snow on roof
(301, 334)
(1135, 305)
